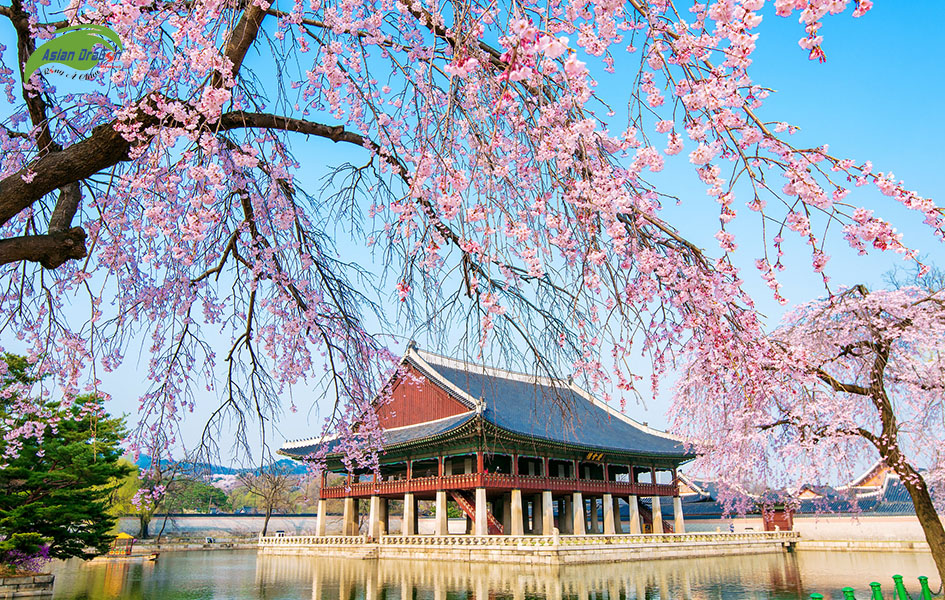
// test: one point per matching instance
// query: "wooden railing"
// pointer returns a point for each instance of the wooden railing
(497, 481)
(531, 540)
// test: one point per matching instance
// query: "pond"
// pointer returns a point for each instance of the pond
(240, 574)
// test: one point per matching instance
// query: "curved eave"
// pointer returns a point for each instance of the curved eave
(469, 428)
(459, 429)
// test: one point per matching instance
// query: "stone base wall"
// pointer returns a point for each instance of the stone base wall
(568, 550)
(33, 586)
(863, 546)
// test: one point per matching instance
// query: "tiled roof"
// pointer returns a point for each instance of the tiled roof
(552, 410)
(549, 409)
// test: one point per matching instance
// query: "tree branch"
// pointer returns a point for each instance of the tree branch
(103, 149)
(50, 250)
(838, 386)
(69, 197)
(241, 38)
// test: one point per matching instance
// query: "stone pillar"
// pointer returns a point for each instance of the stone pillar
(618, 525)
(547, 513)
(678, 524)
(409, 525)
(482, 524)
(595, 520)
(517, 514)
(384, 516)
(537, 515)
(442, 526)
(608, 502)
(566, 522)
(375, 523)
(580, 519)
(506, 514)
(322, 517)
(634, 515)
(657, 515)
(350, 518)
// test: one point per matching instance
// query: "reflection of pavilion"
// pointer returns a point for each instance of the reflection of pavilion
(518, 454)
(690, 579)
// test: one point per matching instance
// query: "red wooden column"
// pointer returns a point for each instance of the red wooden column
(480, 469)
(675, 484)
(545, 467)
(439, 466)
(409, 469)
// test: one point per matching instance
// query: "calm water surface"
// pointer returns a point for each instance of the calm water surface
(241, 575)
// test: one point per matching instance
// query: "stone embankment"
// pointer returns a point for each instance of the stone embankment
(532, 549)
(29, 586)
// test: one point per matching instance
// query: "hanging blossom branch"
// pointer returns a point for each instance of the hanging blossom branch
(499, 194)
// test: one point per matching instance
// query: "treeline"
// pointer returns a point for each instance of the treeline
(268, 491)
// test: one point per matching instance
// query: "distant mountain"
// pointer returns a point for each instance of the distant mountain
(207, 469)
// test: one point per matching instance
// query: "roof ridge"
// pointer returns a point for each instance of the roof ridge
(434, 359)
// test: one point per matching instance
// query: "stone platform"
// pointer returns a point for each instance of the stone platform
(532, 549)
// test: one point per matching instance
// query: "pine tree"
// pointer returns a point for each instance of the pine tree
(58, 485)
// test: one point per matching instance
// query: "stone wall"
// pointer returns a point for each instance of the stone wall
(872, 528)
(31, 586)
(833, 527)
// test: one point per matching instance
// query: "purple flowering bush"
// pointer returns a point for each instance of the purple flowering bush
(23, 553)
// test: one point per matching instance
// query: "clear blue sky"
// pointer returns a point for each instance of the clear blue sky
(878, 97)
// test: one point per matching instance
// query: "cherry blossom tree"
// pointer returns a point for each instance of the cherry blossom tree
(499, 192)
(849, 377)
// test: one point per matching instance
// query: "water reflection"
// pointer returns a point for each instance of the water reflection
(769, 576)
(243, 575)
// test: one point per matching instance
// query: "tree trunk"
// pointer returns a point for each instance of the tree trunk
(266, 522)
(143, 521)
(928, 517)
(163, 525)
(888, 446)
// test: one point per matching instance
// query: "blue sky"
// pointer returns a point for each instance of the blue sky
(878, 97)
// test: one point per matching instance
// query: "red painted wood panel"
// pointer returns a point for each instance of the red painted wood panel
(417, 400)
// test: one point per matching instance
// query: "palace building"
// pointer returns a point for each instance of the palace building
(518, 454)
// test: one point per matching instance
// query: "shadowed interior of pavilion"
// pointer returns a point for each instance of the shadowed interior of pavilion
(495, 445)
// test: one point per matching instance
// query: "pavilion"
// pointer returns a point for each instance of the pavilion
(519, 454)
